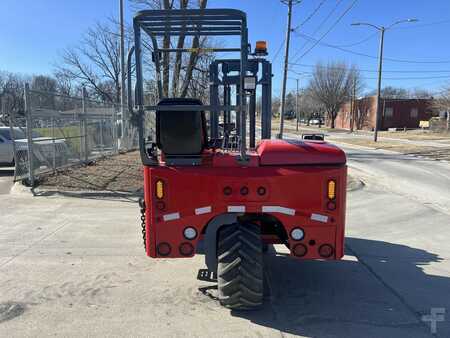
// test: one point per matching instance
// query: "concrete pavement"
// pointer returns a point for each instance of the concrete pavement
(6, 179)
(76, 267)
(421, 179)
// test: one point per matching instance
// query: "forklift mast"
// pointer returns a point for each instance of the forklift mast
(228, 76)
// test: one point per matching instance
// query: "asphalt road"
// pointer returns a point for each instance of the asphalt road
(76, 267)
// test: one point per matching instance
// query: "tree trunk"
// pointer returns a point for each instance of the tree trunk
(166, 57)
(448, 120)
(193, 57)
(333, 119)
(178, 56)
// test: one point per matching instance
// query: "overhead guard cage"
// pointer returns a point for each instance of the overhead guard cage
(189, 22)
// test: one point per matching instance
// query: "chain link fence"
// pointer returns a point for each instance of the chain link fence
(59, 131)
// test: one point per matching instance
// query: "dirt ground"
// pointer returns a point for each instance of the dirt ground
(119, 173)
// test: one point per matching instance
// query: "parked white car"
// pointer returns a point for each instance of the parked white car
(43, 147)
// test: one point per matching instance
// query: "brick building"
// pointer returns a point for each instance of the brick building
(396, 113)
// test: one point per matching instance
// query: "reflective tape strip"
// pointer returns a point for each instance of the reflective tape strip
(171, 217)
(281, 210)
(204, 210)
(319, 218)
(236, 208)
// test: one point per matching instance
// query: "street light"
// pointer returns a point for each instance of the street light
(381, 29)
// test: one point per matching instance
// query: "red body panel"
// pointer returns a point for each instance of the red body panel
(280, 152)
(296, 194)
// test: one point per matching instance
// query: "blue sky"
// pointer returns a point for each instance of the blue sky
(33, 33)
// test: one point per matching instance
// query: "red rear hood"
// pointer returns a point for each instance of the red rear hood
(282, 152)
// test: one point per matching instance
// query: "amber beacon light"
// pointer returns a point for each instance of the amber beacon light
(261, 48)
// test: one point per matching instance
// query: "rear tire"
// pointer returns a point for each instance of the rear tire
(240, 266)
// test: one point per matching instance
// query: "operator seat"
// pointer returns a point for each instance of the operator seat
(181, 133)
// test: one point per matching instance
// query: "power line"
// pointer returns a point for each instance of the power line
(330, 29)
(327, 17)
(311, 15)
(372, 70)
(385, 78)
(278, 51)
(371, 36)
(424, 25)
(371, 56)
(320, 25)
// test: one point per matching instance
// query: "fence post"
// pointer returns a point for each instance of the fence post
(80, 120)
(84, 123)
(54, 143)
(102, 119)
(29, 125)
(12, 125)
(114, 130)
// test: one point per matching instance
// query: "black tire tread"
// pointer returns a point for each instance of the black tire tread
(240, 266)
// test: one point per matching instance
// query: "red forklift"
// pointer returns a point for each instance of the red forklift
(205, 190)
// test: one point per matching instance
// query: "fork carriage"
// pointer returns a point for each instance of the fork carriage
(205, 190)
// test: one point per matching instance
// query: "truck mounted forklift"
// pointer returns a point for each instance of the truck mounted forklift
(205, 190)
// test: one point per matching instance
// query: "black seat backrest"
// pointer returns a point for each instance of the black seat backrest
(181, 133)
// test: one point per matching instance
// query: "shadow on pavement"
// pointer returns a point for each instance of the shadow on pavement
(382, 294)
(94, 195)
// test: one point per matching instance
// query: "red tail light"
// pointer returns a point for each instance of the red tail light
(326, 251)
(186, 249)
(331, 205)
(300, 250)
(163, 249)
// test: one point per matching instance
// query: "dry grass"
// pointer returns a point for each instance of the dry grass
(416, 135)
(441, 153)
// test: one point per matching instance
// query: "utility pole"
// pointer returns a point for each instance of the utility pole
(286, 63)
(353, 105)
(380, 66)
(297, 113)
(122, 73)
(381, 29)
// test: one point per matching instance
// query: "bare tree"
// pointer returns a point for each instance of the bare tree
(11, 92)
(331, 86)
(442, 103)
(418, 93)
(390, 92)
(44, 83)
(309, 106)
(185, 71)
(46, 86)
(95, 63)
(362, 109)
